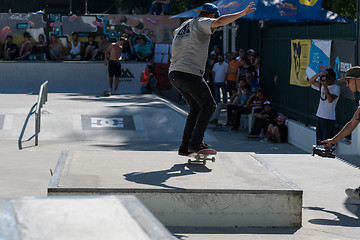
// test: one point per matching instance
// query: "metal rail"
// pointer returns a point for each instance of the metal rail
(42, 99)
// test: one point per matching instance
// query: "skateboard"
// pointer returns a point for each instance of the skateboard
(202, 156)
(107, 94)
(323, 152)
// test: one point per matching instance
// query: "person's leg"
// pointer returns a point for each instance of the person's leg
(166, 9)
(217, 92)
(197, 94)
(111, 75)
(224, 92)
(230, 116)
(318, 130)
(218, 111)
(328, 131)
(276, 134)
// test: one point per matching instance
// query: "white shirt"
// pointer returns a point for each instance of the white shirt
(325, 109)
(220, 71)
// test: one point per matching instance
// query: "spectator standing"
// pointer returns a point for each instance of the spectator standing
(329, 96)
(143, 51)
(245, 67)
(231, 73)
(55, 49)
(91, 49)
(160, 7)
(352, 79)
(113, 61)
(26, 47)
(10, 49)
(241, 53)
(219, 74)
(74, 48)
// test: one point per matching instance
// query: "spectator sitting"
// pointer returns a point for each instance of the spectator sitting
(160, 7)
(256, 100)
(91, 49)
(147, 79)
(143, 51)
(278, 133)
(25, 48)
(263, 119)
(219, 74)
(126, 53)
(74, 49)
(41, 48)
(55, 49)
(238, 98)
(10, 49)
(103, 46)
(252, 82)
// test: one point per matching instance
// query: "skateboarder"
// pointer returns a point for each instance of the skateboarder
(114, 62)
(352, 79)
(188, 58)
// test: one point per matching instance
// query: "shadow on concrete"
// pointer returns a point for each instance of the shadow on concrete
(340, 220)
(182, 232)
(158, 178)
(20, 141)
(352, 160)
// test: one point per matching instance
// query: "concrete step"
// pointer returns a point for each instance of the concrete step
(105, 217)
(238, 190)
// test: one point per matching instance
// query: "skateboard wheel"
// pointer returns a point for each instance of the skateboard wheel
(204, 162)
(213, 159)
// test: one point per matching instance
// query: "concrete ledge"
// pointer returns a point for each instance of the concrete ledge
(110, 217)
(68, 77)
(185, 195)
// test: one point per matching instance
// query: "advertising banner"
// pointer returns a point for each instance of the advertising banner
(300, 51)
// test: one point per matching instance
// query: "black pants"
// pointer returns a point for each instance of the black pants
(197, 95)
(238, 111)
(324, 129)
(258, 125)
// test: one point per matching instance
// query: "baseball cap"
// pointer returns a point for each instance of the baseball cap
(281, 118)
(267, 103)
(353, 72)
(209, 7)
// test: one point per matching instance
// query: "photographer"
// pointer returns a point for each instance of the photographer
(329, 95)
(352, 79)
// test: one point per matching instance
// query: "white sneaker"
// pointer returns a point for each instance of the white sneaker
(353, 193)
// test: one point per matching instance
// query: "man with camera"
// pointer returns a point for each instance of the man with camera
(352, 79)
(329, 95)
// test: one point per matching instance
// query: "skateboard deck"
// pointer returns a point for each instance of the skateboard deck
(202, 156)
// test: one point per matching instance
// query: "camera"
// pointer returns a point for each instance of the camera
(323, 151)
(324, 78)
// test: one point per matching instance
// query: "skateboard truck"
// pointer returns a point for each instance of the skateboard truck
(202, 156)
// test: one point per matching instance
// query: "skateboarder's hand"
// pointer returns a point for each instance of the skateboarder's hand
(105, 63)
(328, 143)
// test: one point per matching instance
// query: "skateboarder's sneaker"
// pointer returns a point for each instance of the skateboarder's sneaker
(183, 151)
(197, 148)
(353, 193)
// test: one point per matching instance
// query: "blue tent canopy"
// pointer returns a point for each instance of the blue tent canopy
(281, 10)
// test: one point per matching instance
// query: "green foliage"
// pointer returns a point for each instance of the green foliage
(345, 8)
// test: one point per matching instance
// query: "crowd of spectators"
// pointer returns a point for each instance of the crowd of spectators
(138, 48)
(235, 76)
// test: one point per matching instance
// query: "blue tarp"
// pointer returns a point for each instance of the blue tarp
(279, 10)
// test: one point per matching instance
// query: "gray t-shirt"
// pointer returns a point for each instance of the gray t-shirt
(190, 46)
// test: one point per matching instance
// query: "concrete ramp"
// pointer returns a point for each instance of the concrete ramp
(73, 218)
(238, 190)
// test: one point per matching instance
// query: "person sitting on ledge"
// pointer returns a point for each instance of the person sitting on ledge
(91, 49)
(74, 49)
(147, 79)
(26, 47)
(55, 49)
(10, 49)
(160, 7)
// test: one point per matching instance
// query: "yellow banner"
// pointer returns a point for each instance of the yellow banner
(300, 51)
(308, 2)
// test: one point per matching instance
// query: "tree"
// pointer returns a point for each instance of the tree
(345, 8)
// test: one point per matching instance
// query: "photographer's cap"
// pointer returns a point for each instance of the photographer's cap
(267, 103)
(209, 7)
(353, 72)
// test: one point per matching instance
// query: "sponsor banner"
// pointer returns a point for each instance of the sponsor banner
(319, 57)
(300, 51)
(343, 58)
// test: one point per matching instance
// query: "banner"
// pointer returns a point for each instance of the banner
(343, 58)
(309, 9)
(300, 51)
(319, 57)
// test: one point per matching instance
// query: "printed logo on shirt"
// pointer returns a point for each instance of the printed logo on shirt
(184, 32)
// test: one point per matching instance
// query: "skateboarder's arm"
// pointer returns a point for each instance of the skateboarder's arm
(346, 130)
(229, 18)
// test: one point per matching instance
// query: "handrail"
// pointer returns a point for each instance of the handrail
(42, 99)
